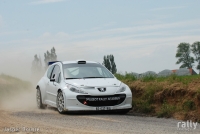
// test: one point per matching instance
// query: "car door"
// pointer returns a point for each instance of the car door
(47, 82)
(54, 86)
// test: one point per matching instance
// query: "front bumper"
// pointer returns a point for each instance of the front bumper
(73, 104)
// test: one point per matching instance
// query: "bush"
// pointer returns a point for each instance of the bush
(189, 105)
(143, 106)
(166, 110)
(149, 94)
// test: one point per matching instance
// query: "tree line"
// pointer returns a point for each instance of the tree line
(183, 54)
(108, 62)
(184, 51)
(37, 63)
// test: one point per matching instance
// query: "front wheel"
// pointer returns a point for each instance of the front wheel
(39, 99)
(60, 102)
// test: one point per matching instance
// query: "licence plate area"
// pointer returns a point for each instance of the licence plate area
(103, 108)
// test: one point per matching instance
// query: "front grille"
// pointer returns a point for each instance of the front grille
(109, 100)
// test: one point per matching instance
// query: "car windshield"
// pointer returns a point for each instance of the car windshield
(88, 70)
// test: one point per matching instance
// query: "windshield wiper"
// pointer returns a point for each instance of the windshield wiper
(73, 78)
(94, 77)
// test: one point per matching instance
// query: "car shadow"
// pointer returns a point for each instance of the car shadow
(106, 112)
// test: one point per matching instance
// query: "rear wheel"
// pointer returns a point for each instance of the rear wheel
(60, 102)
(39, 99)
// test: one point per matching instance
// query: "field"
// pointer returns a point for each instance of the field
(172, 96)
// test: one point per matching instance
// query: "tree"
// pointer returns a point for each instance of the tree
(196, 51)
(36, 65)
(183, 55)
(113, 65)
(50, 56)
(109, 63)
(106, 62)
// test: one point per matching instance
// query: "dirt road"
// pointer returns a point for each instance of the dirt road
(50, 121)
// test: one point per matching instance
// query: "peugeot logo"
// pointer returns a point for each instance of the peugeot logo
(102, 89)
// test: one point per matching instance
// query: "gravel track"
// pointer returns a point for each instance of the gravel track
(50, 121)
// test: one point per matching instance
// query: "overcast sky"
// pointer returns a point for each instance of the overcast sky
(141, 34)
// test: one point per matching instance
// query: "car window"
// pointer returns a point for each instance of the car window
(74, 71)
(56, 73)
(100, 71)
(94, 70)
(49, 71)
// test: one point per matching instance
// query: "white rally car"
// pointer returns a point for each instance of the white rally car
(82, 86)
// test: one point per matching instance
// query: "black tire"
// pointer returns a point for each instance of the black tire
(60, 101)
(40, 105)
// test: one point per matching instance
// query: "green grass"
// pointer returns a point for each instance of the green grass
(183, 79)
(172, 78)
(148, 78)
(164, 96)
(166, 110)
(126, 76)
(189, 105)
(198, 91)
(143, 106)
(149, 93)
(145, 102)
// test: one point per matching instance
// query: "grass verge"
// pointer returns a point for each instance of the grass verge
(172, 96)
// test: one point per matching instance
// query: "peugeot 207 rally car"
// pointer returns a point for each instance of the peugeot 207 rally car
(82, 86)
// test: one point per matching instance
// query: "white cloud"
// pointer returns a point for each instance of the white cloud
(45, 1)
(155, 26)
(138, 28)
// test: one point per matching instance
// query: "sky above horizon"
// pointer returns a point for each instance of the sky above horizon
(142, 35)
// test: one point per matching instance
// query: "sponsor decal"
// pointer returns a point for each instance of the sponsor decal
(103, 99)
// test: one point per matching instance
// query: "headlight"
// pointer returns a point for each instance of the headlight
(75, 89)
(122, 88)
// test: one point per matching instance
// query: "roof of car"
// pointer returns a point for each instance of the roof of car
(69, 62)
(76, 61)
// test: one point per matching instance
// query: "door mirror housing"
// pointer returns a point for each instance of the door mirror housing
(52, 80)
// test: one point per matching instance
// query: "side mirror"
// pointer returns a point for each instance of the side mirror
(52, 80)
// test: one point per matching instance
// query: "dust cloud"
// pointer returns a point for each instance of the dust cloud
(23, 100)
(15, 98)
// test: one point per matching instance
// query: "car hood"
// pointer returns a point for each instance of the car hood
(94, 82)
